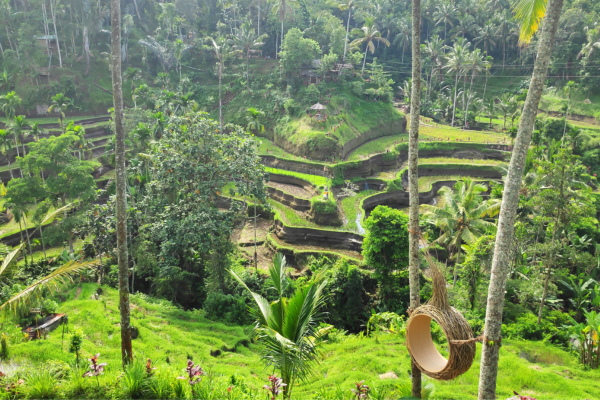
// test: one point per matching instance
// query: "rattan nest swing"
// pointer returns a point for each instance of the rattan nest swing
(456, 328)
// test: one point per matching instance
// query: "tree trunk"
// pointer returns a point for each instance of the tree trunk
(55, 33)
(346, 41)
(510, 201)
(364, 61)
(137, 11)
(544, 293)
(413, 178)
(28, 240)
(455, 92)
(248, 70)
(9, 166)
(126, 349)
(42, 240)
(258, 18)
(86, 47)
(220, 88)
(64, 203)
(456, 267)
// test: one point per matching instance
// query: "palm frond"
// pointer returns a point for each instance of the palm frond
(56, 277)
(529, 14)
(4, 269)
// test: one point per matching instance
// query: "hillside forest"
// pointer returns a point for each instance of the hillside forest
(234, 199)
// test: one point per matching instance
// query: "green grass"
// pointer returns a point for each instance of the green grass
(530, 368)
(449, 160)
(316, 180)
(425, 182)
(291, 217)
(56, 119)
(448, 133)
(376, 146)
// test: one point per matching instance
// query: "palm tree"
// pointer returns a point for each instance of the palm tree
(131, 74)
(222, 49)
(369, 34)
(403, 37)
(435, 49)
(413, 180)
(504, 21)
(489, 108)
(121, 200)
(445, 13)
(281, 7)
(486, 34)
(253, 117)
(466, 24)
(348, 5)
(587, 50)
(9, 103)
(476, 63)
(185, 103)
(5, 79)
(462, 218)
(457, 58)
(246, 40)
(6, 146)
(179, 50)
(529, 13)
(60, 103)
(18, 127)
(288, 327)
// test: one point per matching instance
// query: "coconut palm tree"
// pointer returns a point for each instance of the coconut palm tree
(253, 117)
(9, 103)
(489, 108)
(462, 219)
(347, 5)
(222, 49)
(246, 41)
(369, 34)
(445, 13)
(434, 49)
(18, 127)
(288, 328)
(403, 37)
(121, 171)
(60, 103)
(465, 25)
(281, 7)
(413, 181)
(487, 35)
(587, 50)
(476, 63)
(529, 14)
(456, 61)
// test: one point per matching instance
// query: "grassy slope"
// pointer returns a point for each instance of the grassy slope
(530, 368)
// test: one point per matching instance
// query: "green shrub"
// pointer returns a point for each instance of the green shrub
(549, 329)
(161, 386)
(323, 206)
(226, 307)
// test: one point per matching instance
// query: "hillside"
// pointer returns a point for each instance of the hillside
(223, 350)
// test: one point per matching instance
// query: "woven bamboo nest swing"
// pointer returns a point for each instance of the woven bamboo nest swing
(456, 328)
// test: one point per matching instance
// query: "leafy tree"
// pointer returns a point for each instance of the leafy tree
(385, 248)
(288, 327)
(6, 146)
(66, 177)
(296, 50)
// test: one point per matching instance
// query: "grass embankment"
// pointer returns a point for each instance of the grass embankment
(352, 212)
(348, 117)
(315, 180)
(376, 146)
(530, 368)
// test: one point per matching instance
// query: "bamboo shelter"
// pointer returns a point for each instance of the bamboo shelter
(456, 328)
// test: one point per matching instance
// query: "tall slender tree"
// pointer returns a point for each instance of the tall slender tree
(530, 13)
(126, 349)
(222, 49)
(413, 179)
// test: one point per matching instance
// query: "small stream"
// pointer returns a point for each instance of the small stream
(361, 230)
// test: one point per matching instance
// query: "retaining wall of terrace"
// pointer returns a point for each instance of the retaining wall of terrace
(287, 199)
(318, 237)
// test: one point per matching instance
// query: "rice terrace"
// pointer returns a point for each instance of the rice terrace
(301, 199)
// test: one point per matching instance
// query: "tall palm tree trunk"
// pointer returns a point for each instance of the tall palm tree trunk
(126, 349)
(220, 89)
(510, 201)
(346, 41)
(455, 93)
(9, 166)
(413, 179)
(364, 60)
